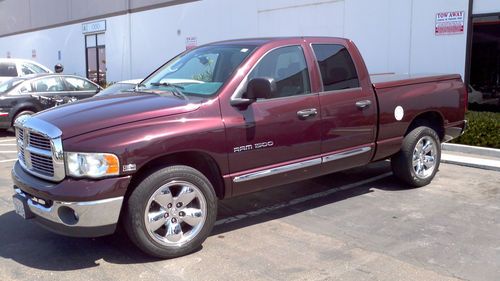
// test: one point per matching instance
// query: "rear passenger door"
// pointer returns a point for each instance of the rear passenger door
(348, 111)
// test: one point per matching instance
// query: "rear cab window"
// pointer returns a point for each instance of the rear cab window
(337, 68)
(8, 69)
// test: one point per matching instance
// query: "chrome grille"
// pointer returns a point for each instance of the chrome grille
(39, 141)
(40, 148)
(42, 164)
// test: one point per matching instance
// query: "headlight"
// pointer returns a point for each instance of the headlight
(93, 165)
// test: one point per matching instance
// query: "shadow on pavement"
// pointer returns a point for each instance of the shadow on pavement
(35, 247)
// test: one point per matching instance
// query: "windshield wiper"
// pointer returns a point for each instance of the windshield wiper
(175, 89)
(166, 84)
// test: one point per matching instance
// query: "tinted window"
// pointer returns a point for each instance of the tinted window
(8, 69)
(50, 84)
(77, 84)
(287, 66)
(337, 68)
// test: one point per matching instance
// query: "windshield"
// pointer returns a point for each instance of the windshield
(115, 89)
(10, 84)
(201, 71)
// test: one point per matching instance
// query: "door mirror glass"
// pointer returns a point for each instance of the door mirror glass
(260, 88)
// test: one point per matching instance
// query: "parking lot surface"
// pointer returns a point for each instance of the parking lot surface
(357, 225)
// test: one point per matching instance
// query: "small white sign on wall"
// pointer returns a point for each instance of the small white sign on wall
(93, 27)
(191, 42)
(448, 23)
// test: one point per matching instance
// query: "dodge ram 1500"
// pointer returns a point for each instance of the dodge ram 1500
(222, 120)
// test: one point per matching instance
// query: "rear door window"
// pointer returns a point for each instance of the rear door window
(77, 84)
(49, 84)
(337, 68)
(8, 69)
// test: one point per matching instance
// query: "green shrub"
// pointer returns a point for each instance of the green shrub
(484, 130)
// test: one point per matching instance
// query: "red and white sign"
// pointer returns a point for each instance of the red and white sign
(448, 23)
(191, 42)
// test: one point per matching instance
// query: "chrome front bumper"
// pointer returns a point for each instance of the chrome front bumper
(91, 214)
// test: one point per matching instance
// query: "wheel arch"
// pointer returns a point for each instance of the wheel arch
(198, 160)
(432, 119)
(21, 108)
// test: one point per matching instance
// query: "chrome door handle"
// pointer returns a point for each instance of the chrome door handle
(363, 104)
(306, 113)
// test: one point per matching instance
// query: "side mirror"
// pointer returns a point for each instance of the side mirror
(257, 88)
(260, 88)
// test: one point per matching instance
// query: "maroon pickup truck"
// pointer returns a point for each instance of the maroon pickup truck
(222, 120)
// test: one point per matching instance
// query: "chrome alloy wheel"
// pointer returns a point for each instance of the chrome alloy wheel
(424, 157)
(175, 213)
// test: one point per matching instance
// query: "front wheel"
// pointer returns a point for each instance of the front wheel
(418, 160)
(171, 212)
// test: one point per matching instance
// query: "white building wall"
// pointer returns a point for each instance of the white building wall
(431, 53)
(47, 43)
(393, 35)
(486, 7)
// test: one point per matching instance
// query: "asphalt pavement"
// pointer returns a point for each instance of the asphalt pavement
(361, 224)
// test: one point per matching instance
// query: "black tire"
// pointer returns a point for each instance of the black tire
(402, 162)
(135, 210)
(19, 114)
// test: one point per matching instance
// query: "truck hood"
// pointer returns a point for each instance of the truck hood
(103, 112)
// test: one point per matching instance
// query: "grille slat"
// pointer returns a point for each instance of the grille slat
(39, 141)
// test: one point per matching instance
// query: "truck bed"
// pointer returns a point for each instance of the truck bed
(440, 99)
(381, 81)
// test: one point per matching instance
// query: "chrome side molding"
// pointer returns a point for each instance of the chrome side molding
(301, 165)
(345, 154)
(277, 170)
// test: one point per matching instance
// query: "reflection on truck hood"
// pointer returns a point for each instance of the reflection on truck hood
(104, 112)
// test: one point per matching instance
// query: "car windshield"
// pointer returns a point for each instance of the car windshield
(200, 72)
(115, 89)
(10, 84)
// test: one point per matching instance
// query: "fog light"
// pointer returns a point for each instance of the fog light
(67, 215)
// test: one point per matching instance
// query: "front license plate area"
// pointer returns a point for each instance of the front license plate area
(21, 207)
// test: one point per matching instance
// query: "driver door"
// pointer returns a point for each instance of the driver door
(272, 141)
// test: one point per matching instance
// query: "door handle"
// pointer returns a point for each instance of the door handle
(362, 104)
(306, 113)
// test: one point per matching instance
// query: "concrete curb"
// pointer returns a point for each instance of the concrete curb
(484, 151)
(473, 162)
(475, 157)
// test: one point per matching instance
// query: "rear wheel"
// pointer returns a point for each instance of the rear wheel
(171, 212)
(418, 160)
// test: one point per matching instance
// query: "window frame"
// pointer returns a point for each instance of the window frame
(316, 62)
(241, 89)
